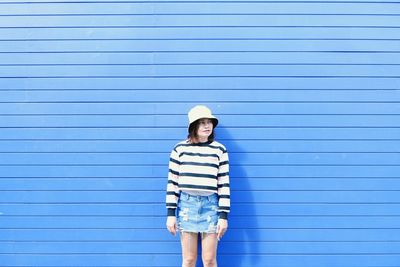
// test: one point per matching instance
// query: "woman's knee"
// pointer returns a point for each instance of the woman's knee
(189, 260)
(210, 262)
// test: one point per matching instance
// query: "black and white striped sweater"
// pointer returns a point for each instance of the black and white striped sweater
(200, 167)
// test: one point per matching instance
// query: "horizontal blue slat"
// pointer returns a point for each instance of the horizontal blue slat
(99, 121)
(198, 33)
(150, 223)
(203, 20)
(258, 58)
(183, 1)
(238, 196)
(232, 235)
(175, 114)
(200, 8)
(151, 96)
(201, 45)
(238, 159)
(161, 171)
(178, 134)
(232, 83)
(202, 70)
(224, 260)
(244, 146)
(238, 209)
(226, 247)
(238, 184)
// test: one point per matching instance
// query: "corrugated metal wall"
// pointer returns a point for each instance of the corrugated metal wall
(94, 95)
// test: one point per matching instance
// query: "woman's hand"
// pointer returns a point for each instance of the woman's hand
(222, 226)
(171, 224)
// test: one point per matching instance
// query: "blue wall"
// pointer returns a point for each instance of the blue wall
(94, 95)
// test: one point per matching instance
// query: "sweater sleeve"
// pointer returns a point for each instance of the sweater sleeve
(223, 186)
(172, 186)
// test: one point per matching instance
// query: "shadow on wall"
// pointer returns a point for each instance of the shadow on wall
(240, 246)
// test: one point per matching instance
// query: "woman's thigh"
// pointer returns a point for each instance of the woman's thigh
(209, 244)
(189, 244)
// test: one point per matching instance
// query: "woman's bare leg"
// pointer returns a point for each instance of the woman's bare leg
(189, 249)
(209, 244)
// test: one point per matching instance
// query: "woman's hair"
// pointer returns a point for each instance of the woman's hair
(194, 126)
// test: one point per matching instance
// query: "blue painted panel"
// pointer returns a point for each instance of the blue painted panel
(147, 223)
(230, 121)
(227, 248)
(149, 46)
(174, 260)
(226, 96)
(237, 235)
(201, 21)
(138, 114)
(238, 184)
(184, 1)
(239, 209)
(104, 171)
(194, 83)
(235, 158)
(248, 146)
(196, 8)
(239, 32)
(94, 95)
(199, 58)
(250, 196)
(175, 134)
(204, 71)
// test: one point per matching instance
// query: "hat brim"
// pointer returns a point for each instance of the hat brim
(213, 119)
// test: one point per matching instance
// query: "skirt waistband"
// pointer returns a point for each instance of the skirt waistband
(199, 198)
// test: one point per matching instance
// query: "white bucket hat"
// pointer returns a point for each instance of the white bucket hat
(201, 112)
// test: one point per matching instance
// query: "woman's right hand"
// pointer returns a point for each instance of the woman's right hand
(171, 224)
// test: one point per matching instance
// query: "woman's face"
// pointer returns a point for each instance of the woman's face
(205, 129)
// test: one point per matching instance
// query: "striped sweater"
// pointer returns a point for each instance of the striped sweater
(200, 167)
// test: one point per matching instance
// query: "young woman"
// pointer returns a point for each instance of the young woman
(198, 192)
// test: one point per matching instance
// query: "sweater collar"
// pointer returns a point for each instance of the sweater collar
(201, 143)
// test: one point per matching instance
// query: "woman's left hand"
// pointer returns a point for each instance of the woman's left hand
(222, 226)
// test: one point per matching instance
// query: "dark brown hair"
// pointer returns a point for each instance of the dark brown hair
(194, 126)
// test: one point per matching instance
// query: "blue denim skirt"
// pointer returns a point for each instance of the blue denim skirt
(197, 214)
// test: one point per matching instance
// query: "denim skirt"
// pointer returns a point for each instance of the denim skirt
(197, 214)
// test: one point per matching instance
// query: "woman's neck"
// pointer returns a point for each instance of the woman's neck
(199, 140)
